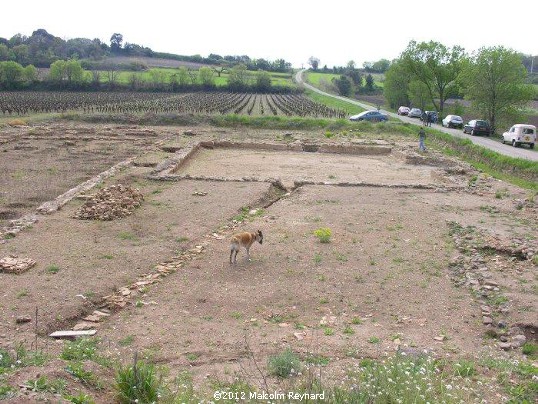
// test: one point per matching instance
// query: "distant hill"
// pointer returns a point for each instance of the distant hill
(41, 49)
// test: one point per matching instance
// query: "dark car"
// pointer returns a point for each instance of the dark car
(372, 116)
(477, 127)
(430, 115)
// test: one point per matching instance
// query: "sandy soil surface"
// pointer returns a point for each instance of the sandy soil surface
(405, 268)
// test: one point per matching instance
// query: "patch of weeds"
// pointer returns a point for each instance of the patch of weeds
(139, 303)
(6, 391)
(328, 331)
(498, 300)
(9, 236)
(322, 278)
(356, 320)
(42, 384)
(128, 340)
(535, 259)
(192, 357)
(184, 389)
(317, 258)
(530, 349)
(52, 269)
(107, 256)
(374, 340)
(341, 257)
(372, 262)
(284, 364)
(236, 315)
(323, 234)
(125, 235)
(22, 293)
(489, 209)
(245, 214)
(182, 239)
(464, 368)
(79, 350)
(276, 319)
(315, 219)
(324, 300)
(76, 369)
(472, 181)
(332, 177)
(80, 398)
(299, 326)
(349, 330)
(139, 383)
(502, 193)
(319, 360)
(359, 279)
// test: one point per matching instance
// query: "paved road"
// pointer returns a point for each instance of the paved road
(490, 143)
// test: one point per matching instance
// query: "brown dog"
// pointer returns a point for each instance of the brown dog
(245, 239)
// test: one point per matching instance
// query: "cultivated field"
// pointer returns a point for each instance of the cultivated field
(425, 256)
(23, 103)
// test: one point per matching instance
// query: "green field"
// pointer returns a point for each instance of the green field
(126, 77)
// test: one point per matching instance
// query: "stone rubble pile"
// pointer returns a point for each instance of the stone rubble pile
(14, 265)
(111, 203)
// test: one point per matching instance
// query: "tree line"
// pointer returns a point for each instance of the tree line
(71, 75)
(493, 79)
(41, 49)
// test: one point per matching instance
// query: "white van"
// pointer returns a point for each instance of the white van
(520, 134)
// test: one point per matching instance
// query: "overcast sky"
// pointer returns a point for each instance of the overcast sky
(334, 31)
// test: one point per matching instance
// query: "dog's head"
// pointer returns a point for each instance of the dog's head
(259, 237)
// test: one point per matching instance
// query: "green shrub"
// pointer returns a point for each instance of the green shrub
(284, 364)
(138, 384)
(323, 234)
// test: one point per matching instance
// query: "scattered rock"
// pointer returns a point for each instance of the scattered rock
(23, 319)
(518, 340)
(199, 193)
(505, 345)
(486, 320)
(14, 265)
(110, 203)
(503, 338)
(440, 338)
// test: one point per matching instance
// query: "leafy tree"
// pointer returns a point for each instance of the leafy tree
(396, 86)
(369, 83)
(313, 62)
(116, 41)
(183, 76)
(57, 71)
(30, 74)
(263, 81)
(494, 81)
(158, 78)
(356, 77)
(435, 65)
(238, 77)
(11, 75)
(418, 94)
(206, 77)
(21, 53)
(343, 84)
(4, 52)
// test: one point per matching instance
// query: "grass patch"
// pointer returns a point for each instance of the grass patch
(284, 364)
(79, 350)
(52, 269)
(138, 384)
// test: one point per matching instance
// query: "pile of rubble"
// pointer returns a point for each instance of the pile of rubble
(14, 265)
(111, 203)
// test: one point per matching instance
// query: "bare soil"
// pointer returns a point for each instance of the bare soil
(393, 276)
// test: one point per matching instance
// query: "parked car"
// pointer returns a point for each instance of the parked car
(372, 116)
(453, 121)
(415, 113)
(403, 110)
(520, 134)
(477, 127)
(431, 115)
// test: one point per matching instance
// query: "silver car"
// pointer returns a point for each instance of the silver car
(415, 113)
(453, 121)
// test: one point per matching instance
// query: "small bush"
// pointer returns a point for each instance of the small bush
(284, 364)
(138, 384)
(323, 234)
(530, 349)
(464, 368)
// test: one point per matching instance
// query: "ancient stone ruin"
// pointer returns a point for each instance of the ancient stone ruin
(113, 202)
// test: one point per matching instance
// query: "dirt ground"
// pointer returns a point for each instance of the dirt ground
(415, 254)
